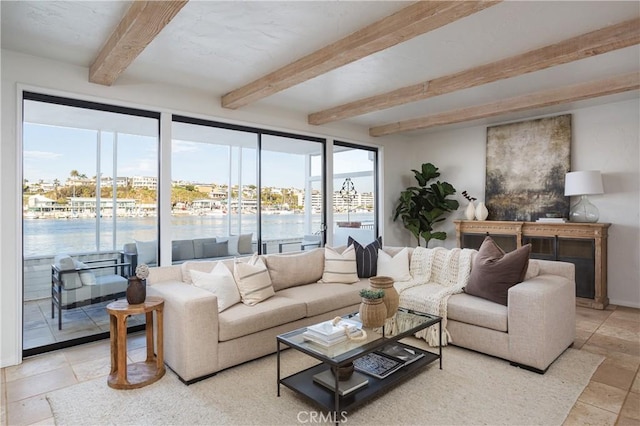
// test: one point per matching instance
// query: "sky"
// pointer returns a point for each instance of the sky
(52, 152)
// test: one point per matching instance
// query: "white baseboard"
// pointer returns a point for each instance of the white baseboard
(625, 303)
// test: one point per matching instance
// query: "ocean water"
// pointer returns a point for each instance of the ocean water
(48, 237)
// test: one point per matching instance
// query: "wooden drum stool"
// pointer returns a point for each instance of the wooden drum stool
(138, 374)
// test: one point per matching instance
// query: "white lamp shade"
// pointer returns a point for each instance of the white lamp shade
(583, 183)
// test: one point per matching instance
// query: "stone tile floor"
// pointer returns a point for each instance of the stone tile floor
(40, 329)
(612, 397)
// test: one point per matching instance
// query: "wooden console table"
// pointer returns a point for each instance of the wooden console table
(583, 244)
(139, 374)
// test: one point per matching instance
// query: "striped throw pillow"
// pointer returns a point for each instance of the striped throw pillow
(366, 257)
(340, 268)
(253, 280)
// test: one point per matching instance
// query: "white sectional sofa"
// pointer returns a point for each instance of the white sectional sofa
(533, 330)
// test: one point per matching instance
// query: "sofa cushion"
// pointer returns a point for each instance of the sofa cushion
(71, 280)
(106, 285)
(340, 267)
(253, 280)
(232, 244)
(147, 252)
(494, 271)
(241, 320)
(533, 270)
(217, 249)
(220, 282)
(182, 250)
(366, 257)
(198, 247)
(319, 299)
(396, 267)
(245, 244)
(477, 311)
(87, 277)
(288, 270)
(129, 248)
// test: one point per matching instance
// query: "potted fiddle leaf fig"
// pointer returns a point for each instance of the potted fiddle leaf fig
(423, 206)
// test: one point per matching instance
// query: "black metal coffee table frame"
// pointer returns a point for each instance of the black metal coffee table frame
(302, 382)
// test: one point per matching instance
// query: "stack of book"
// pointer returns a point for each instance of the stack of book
(552, 220)
(345, 387)
(327, 334)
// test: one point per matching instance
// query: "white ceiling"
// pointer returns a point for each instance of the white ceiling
(219, 46)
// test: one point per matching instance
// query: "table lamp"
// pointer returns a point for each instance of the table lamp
(583, 183)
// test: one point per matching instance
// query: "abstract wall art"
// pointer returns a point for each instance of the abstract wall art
(526, 166)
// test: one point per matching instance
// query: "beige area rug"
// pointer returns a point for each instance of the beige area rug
(471, 389)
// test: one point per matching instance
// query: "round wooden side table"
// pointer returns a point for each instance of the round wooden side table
(138, 374)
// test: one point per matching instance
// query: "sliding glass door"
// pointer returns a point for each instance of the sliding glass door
(238, 190)
(292, 201)
(90, 175)
(214, 191)
(354, 193)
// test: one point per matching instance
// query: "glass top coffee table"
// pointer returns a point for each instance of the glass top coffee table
(321, 385)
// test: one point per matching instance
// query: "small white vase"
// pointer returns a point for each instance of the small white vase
(481, 211)
(470, 212)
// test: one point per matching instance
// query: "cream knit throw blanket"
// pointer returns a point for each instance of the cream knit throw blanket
(438, 273)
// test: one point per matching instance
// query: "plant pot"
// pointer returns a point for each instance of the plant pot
(136, 291)
(391, 297)
(373, 312)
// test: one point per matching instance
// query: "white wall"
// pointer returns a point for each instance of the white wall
(55, 78)
(605, 138)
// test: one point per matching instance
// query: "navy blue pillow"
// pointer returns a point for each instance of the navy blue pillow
(366, 257)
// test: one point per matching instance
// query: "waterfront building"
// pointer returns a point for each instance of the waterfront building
(86, 206)
(148, 182)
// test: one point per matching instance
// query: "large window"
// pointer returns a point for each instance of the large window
(214, 191)
(90, 174)
(90, 193)
(354, 193)
(291, 193)
(219, 206)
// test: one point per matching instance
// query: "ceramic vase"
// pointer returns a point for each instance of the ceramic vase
(470, 212)
(136, 291)
(373, 312)
(391, 297)
(481, 211)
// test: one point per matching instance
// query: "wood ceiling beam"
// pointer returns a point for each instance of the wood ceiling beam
(412, 21)
(583, 46)
(140, 25)
(622, 83)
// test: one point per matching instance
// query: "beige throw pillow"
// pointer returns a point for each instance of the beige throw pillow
(289, 270)
(253, 280)
(219, 282)
(340, 268)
